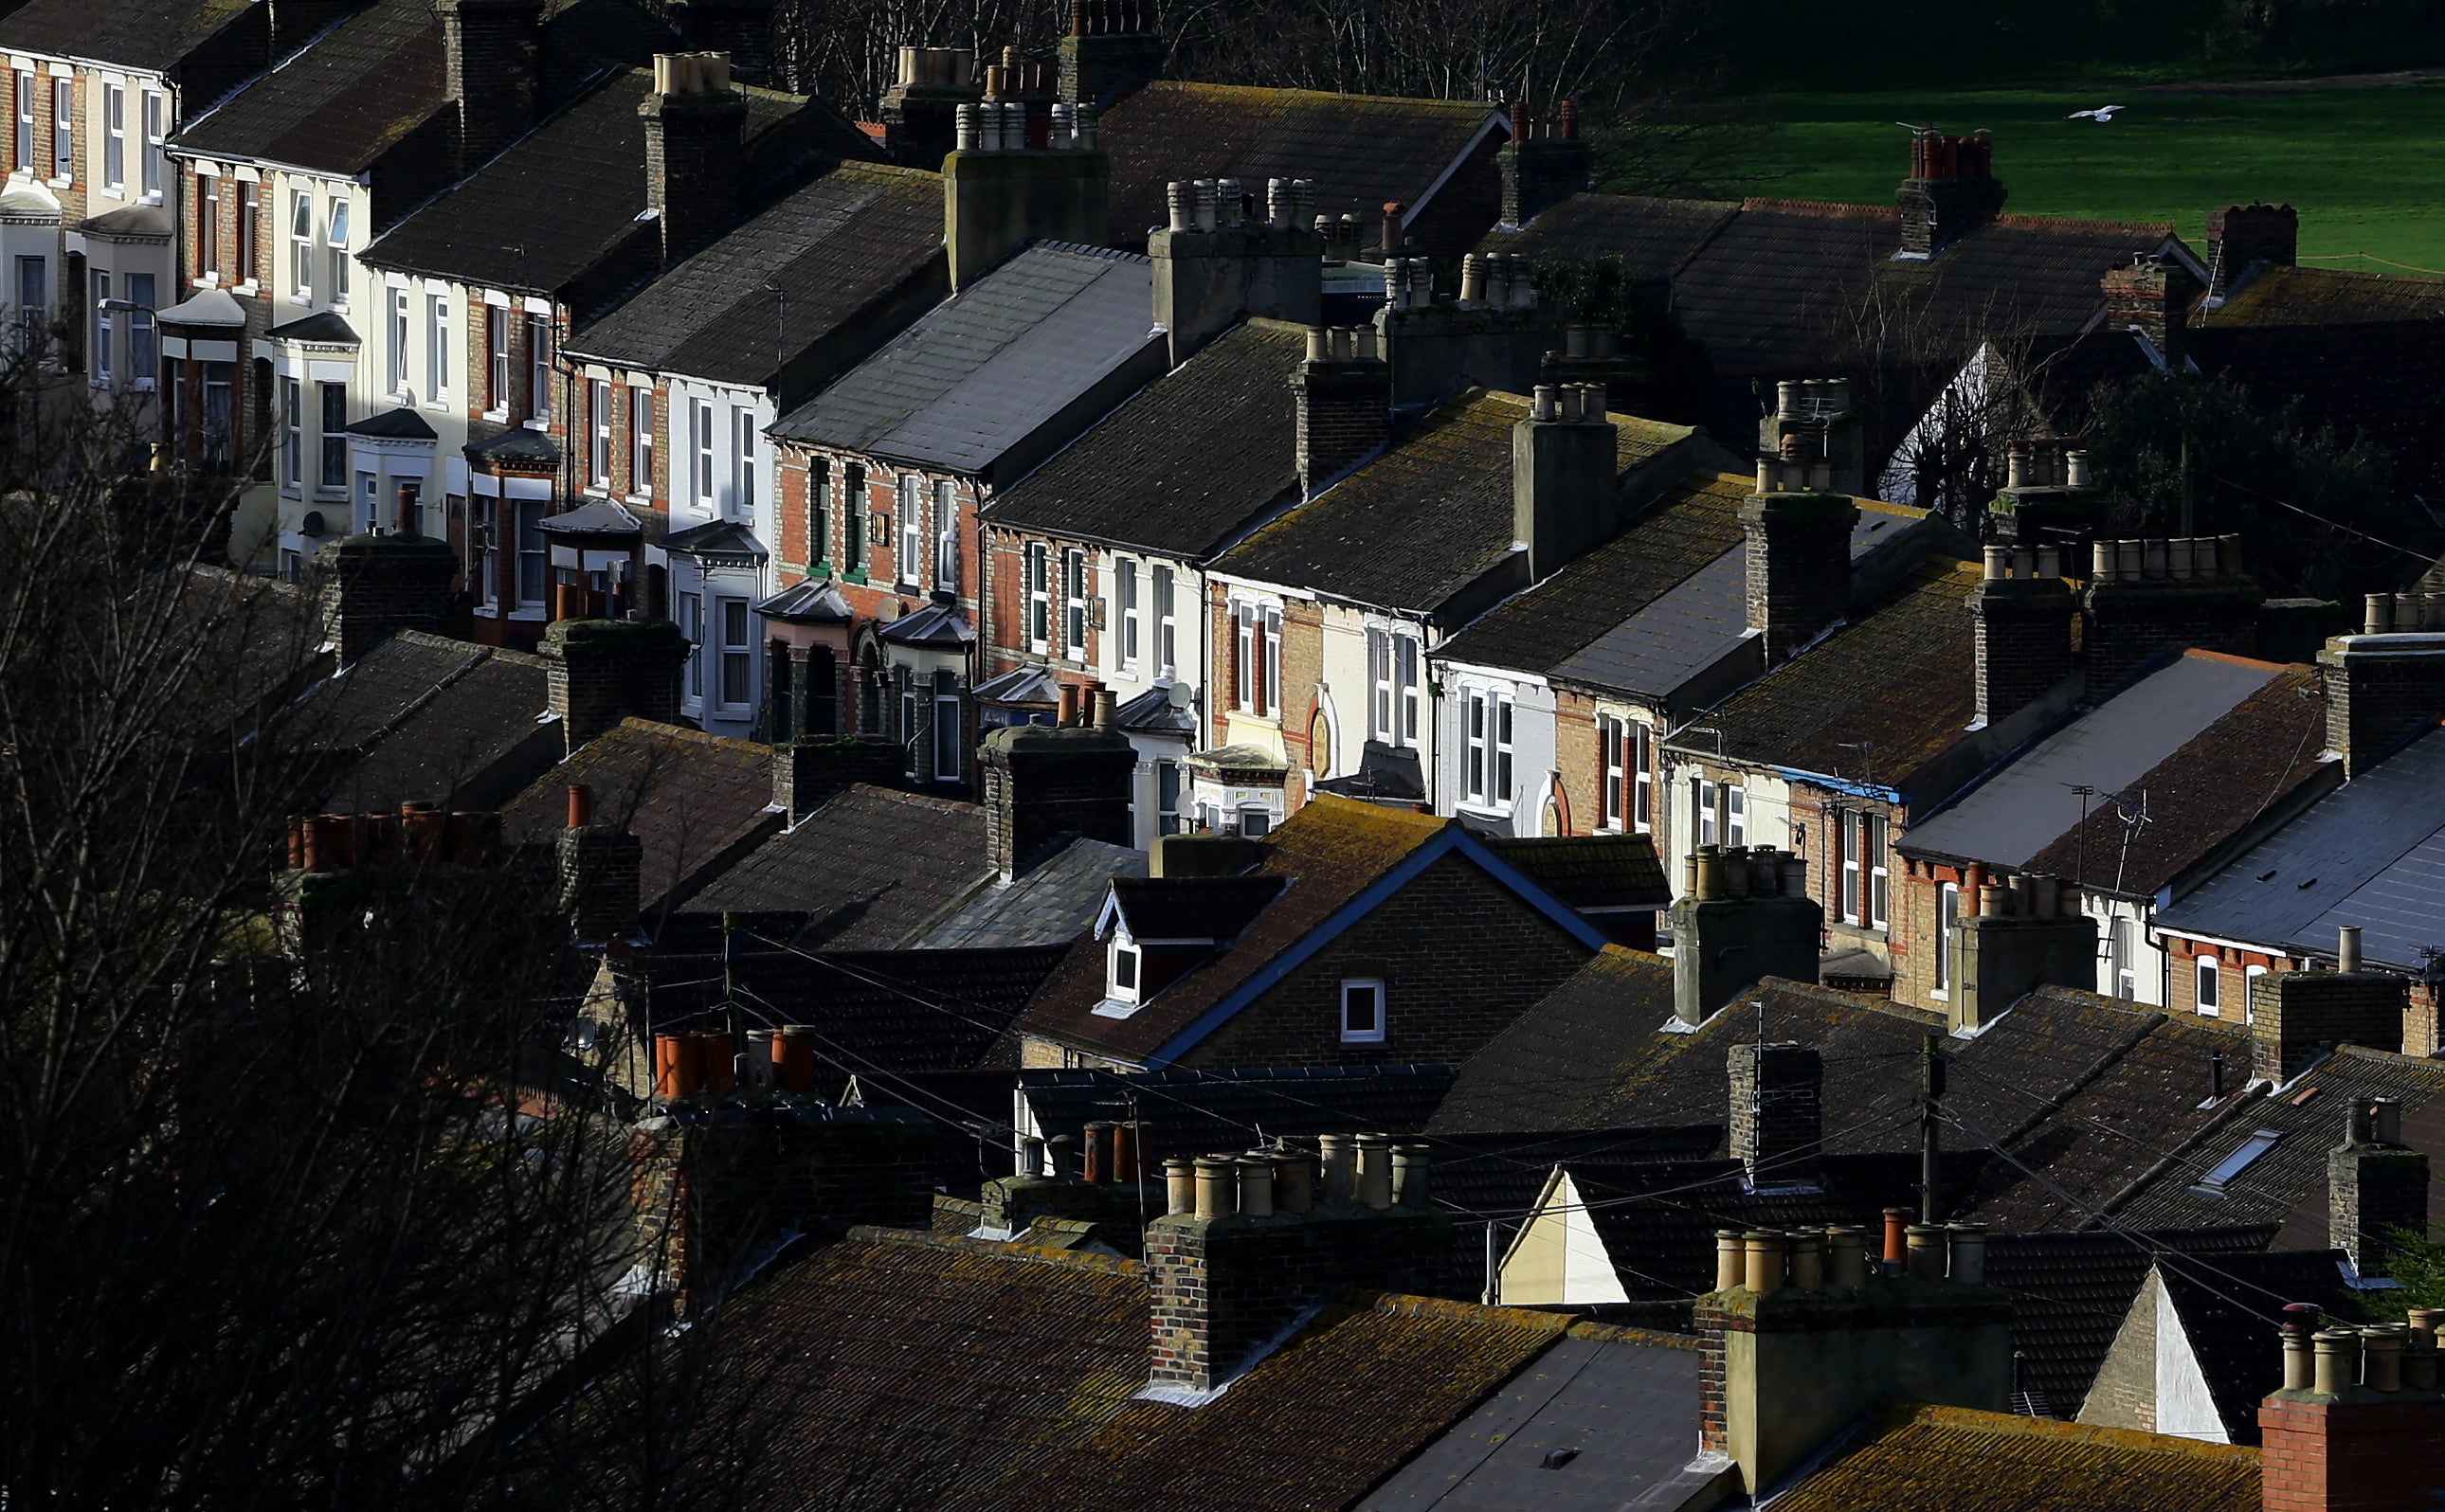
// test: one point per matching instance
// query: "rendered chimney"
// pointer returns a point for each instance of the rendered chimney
(1951, 189)
(2376, 1186)
(2297, 1015)
(1565, 494)
(2144, 596)
(2015, 936)
(2242, 238)
(1546, 160)
(1208, 278)
(603, 670)
(1746, 915)
(492, 66)
(808, 771)
(695, 119)
(1112, 47)
(2152, 295)
(1041, 784)
(1343, 391)
(1020, 172)
(2023, 611)
(1778, 1116)
(371, 587)
(2387, 681)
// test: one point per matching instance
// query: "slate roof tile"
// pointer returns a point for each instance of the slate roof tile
(1053, 901)
(338, 104)
(363, 702)
(466, 727)
(1360, 150)
(1425, 519)
(1590, 871)
(831, 247)
(689, 796)
(1967, 1461)
(1188, 463)
(871, 868)
(152, 35)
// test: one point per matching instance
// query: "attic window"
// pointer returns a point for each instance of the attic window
(2213, 1184)
(1122, 985)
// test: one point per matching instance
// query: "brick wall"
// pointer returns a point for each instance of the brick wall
(2124, 1392)
(1343, 414)
(1448, 988)
(1302, 685)
(2372, 1191)
(2128, 622)
(2374, 699)
(1043, 783)
(2296, 1013)
(1799, 575)
(1776, 1111)
(2024, 641)
(601, 672)
(2364, 1456)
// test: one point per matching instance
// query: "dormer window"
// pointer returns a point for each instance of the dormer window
(1122, 973)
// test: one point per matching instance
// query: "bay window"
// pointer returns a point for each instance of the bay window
(335, 437)
(1485, 752)
(1861, 838)
(736, 657)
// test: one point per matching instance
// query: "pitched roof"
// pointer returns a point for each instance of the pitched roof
(357, 703)
(1053, 901)
(2111, 751)
(1199, 1112)
(790, 277)
(573, 187)
(1967, 1461)
(1333, 848)
(871, 868)
(427, 718)
(875, 1012)
(155, 35)
(1425, 519)
(902, 1370)
(2230, 1305)
(1590, 871)
(340, 103)
(2277, 295)
(1188, 463)
(689, 796)
(1898, 680)
(258, 639)
(1360, 150)
(1652, 237)
(992, 366)
(1192, 907)
(2371, 853)
(2070, 1293)
(2287, 1183)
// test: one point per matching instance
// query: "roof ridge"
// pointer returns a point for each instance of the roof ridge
(2129, 1438)
(1409, 1304)
(1834, 208)
(2082, 223)
(1417, 102)
(999, 1249)
(660, 730)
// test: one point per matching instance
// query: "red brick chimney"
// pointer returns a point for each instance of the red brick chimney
(2152, 296)
(2360, 1425)
(603, 670)
(1951, 189)
(1545, 160)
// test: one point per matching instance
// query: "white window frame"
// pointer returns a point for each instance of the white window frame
(2248, 975)
(700, 440)
(1487, 748)
(114, 138)
(437, 346)
(143, 340)
(157, 136)
(2121, 958)
(539, 370)
(1948, 924)
(598, 449)
(1166, 625)
(497, 358)
(743, 427)
(1073, 603)
(1736, 821)
(946, 725)
(1408, 653)
(1272, 628)
(1380, 716)
(946, 535)
(1705, 818)
(103, 328)
(1613, 755)
(911, 553)
(1363, 1034)
(335, 238)
(334, 437)
(1040, 596)
(292, 435)
(537, 556)
(24, 154)
(1124, 949)
(1125, 593)
(1642, 777)
(62, 130)
(735, 652)
(692, 624)
(301, 243)
(641, 441)
(398, 341)
(2207, 984)
(1246, 685)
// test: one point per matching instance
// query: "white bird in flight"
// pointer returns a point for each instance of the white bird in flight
(2101, 115)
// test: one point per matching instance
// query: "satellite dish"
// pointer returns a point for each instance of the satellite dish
(1181, 698)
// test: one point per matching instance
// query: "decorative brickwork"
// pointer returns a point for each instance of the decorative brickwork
(1799, 566)
(2294, 1015)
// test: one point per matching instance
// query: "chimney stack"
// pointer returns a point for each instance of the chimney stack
(1743, 915)
(2241, 237)
(2358, 1425)
(1565, 494)
(2146, 596)
(921, 109)
(2013, 935)
(604, 670)
(1814, 1335)
(371, 587)
(2022, 613)
(1812, 442)
(1951, 189)
(1777, 1115)
(1216, 263)
(1344, 395)
(2387, 681)
(809, 770)
(1267, 1236)
(695, 121)
(1545, 162)
(1041, 784)
(601, 868)
(741, 31)
(2376, 1184)
(1493, 334)
(1798, 561)
(2297, 1016)
(1111, 48)
(1021, 170)
(2152, 296)
(492, 52)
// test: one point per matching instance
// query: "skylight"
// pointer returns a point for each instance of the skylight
(2215, 1182)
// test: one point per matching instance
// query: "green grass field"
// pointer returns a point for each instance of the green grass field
(2362, 164)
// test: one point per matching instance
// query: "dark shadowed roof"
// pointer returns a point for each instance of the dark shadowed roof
(1898, 680)
(359, 703)
(436, 720)
(872, 869)
(832, 248)
(875, 1012)
(2230, 1305)
(339, 105)
(258, 640)
(690, 797)
(1361, 149)
(558, 201)
(1192, 907)
(1184, 465)
(2371, 853)
(1053, 901)
(2328, 296)
(1195, 1112)
(1653, 237)
(1590, 871)
(150, 34)
(2111, 750)
(1965, 1461)
(2070, 1293)
(1425, 519)
(987, 368)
